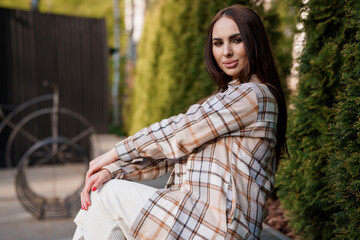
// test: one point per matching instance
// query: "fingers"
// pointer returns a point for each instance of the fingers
(93, 168)
(82, 199)
(92, 184)
(85, 194)
(94, 179)
(104, 176)
(99, 162)
(89, 173)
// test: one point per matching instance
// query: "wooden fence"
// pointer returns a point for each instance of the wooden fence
(71, 52)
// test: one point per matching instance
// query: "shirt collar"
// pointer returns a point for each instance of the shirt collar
(233, 82)
(253, 78)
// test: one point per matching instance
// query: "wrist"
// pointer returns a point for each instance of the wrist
(114, 170)
(107, 170)
(113, 154)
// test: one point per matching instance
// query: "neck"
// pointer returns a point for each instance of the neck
(254, 78)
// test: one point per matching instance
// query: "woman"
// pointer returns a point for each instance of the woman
(223, 153)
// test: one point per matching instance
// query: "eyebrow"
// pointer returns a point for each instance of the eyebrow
(231, 37)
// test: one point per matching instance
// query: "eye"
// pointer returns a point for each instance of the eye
(217, 43)
(237, 40)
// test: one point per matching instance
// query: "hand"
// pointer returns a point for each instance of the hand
(101, 161)
(93, 183)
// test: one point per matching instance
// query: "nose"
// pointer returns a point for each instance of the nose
(228, 49)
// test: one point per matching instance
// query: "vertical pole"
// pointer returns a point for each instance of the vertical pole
(35, 5)
(55, 133)
(131, 40)
(55, 119)
(130, 55)
(116, 63)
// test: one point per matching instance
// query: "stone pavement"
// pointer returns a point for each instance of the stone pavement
(18, 224)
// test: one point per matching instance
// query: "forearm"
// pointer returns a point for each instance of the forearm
(140, 169)
(105, 159)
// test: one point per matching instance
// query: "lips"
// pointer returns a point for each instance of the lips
(230, 63)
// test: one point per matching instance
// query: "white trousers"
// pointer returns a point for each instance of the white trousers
(114, 208)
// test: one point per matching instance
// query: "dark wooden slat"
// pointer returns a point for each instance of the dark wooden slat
(69, 51)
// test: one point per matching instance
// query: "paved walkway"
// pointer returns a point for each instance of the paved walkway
(18, 224)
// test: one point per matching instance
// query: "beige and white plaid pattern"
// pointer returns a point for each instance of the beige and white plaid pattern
(222, 154)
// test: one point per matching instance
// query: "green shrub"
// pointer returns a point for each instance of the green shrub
(345, 157)
(320, 177)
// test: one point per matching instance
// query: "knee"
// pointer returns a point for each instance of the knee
(103, 193)
(112, 188)
(110, 193)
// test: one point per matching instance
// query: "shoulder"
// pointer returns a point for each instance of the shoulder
(258, 90)
(267, 104)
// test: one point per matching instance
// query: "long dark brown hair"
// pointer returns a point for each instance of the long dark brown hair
(260, 62)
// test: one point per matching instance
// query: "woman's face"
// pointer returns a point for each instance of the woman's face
(228, 48)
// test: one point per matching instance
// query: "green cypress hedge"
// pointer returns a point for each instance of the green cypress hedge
(320, 183)
(345, 157)
(170, 74)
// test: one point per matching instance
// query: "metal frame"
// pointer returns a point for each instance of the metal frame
(39, 206)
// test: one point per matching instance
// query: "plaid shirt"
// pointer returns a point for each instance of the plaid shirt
(222, 157)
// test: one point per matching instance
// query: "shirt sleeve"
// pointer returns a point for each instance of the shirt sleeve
(140, 169)
(235, 109)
